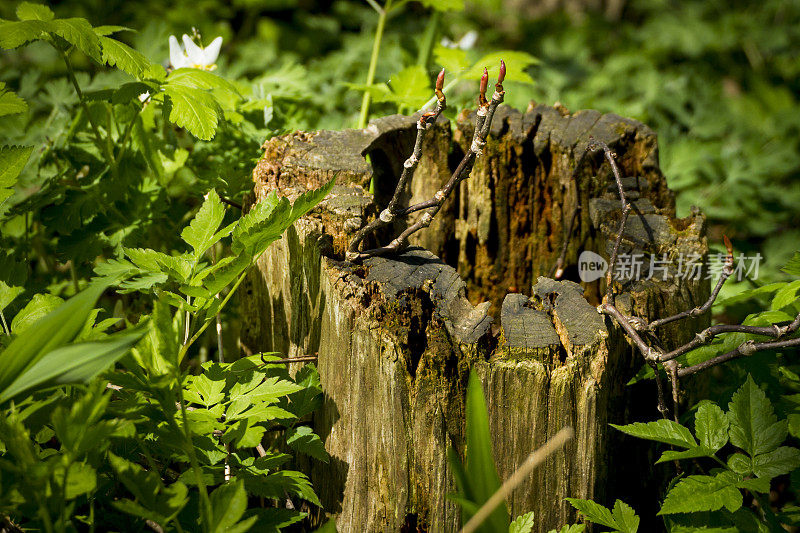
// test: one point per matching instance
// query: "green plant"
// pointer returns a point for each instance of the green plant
(738, 451)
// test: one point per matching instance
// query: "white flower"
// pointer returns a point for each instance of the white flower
(191, 55)
(465, 43)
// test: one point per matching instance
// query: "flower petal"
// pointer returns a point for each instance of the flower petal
(211, 52)
(176, 56)
(193, 52)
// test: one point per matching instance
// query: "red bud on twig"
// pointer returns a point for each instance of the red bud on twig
(502, 75)
(484, 84)
(729, 247)
(440, 81)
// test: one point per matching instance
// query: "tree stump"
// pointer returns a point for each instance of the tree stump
(397, 335)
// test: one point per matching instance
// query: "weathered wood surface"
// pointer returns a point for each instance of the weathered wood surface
(396, 336)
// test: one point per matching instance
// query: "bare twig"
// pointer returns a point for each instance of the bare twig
(486, 110)
(626, 209)
(536, 458)
(654, 356)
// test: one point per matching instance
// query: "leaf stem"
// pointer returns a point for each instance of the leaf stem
(198, 473)
(373, 62)
(95, 129)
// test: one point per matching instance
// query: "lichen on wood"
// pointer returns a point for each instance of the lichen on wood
(397, 335)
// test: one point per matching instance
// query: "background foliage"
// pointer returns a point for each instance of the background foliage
(101, 184)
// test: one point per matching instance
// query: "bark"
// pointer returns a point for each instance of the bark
(397, 336)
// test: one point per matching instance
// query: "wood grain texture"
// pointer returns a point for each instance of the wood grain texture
(397, 336)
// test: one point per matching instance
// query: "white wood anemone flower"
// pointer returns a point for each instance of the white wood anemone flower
(192, 55)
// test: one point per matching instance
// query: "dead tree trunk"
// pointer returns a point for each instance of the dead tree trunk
(397, 336)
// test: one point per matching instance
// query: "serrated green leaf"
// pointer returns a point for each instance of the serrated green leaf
(79, 33)
(39, 306)
(209, 390)
(594, 512)
(107, 30)
(8, 293)
(154, 500)
(15, 34)
(711, 426)
(29, 11)
(753, 425)
(786, 296)
(793, 266)
(410, 87)
(201, 232)
(12, 161)
(625, 517)
(703, 493)
(10, 103)
(666, 431)
(781, 460)
(304, 440)
(523, 524)
(228, 504)
(691, 453)
(120, 55)
(198, 79)
(453, 60)
(194, 109)
(516, 65)
(754, 484)
(740, 463)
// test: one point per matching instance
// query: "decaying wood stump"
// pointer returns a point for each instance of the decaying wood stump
(397, 335)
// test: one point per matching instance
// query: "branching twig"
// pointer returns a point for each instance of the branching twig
(654, 356)
(486, 110)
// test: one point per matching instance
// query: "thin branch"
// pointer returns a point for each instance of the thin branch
(386, 217)
(534, 459)
(746, 348)
(231, 202)
(727, 270)
(626, 209)
(483, 122)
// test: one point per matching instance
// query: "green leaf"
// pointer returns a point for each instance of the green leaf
(201, 232)
(199, 79)
(15, 34)
(81, 478)
(268, 219)
(76, 363)
(29, 11)
(781, 460)
(210, 391)
(411, 87)
(753, 425)
(194, 109)
(703, 493)
(444, 5)
(625, 518)
(454, 60)
(711, 426)
(154, 500)
(10, 104)
(786, 295)
(594, 512)
(8, 293)
(516, 65)
(228, 504)
(523, 524)
(39, 306)
(666, 431)
(304, 440)
(691, 453)
(120, 55)
(79, 33)
(480, 468)
(12, 161)
(793, 266)
(740, 463)
(109, 30)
